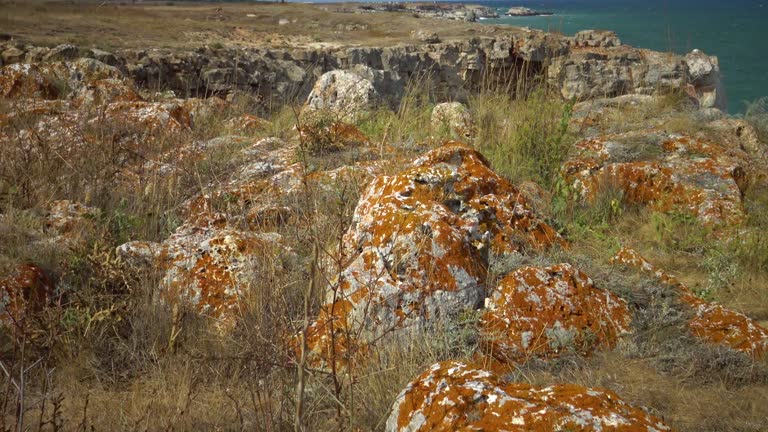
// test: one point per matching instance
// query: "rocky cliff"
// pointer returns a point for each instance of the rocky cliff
(590, 65)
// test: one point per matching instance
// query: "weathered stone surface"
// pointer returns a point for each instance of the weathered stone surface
(596, 39)
(419, 242)
(542, 312)
(208, 267)
(457, 67)
(344, 95)
(458, 396)
(23, 293)
(425, 36)
(455, 118)
(711, 322)
(665, 171)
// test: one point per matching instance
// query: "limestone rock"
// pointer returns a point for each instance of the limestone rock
(711, 322)
(667, 172)
(209, 268)
(547, 311)
(425, 36)
(596, 39)
(455, 118)
(418, 244)
(459, 396)
(342, 94)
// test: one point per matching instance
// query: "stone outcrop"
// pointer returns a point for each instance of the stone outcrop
(667, 172)
(710, 322)
(418, 244)
(543, 312)
(520, 11)
(589, 66)
(596, 39)
(459, 396)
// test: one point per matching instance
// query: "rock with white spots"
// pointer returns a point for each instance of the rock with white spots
(459, 396)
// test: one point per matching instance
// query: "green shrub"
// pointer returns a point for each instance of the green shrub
(525, 138)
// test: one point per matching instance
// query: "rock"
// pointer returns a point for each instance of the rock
(425, 36)
(12, 55)
(704, 76)
(63, 52)
(455, 118)
(668, 172)
(66, 217)
(209, 268)
(547, 311)
(739, 133)
(459, 396)
(710, 322)
(24, 293)
(418, 244)
(320, 139)
(596, 39)
(52, 80)
(343, 95)
(524, 11)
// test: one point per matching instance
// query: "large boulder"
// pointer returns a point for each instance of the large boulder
(419, 245)
(667, 172)
(342, 95)
(548, 311)
(459, 396)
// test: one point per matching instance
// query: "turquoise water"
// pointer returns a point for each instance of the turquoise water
(735, 31)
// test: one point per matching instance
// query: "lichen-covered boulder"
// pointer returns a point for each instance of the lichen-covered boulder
(52, 80)
(667, 172)
(26, 291)
(454, 118)
(209, 268)
(419, 244)
(709, 321)
(454, 396)
(340, 94)
(546, 311)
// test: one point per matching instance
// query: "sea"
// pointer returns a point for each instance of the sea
(736, 31)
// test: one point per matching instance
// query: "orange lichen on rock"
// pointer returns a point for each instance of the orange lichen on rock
(210, 268)
(23, 293)
(664, 171)
(710, 321)
(419, 242)
(320, 138)
(546, 311)
(454, 396)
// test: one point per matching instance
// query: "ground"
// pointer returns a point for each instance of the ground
(173, 264)
(188, 25)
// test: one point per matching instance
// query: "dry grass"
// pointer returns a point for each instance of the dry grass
(105, 358)
(168, 24)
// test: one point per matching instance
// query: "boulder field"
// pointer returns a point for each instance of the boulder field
(418, 250)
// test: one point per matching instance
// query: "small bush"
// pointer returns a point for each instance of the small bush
(526, 138)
